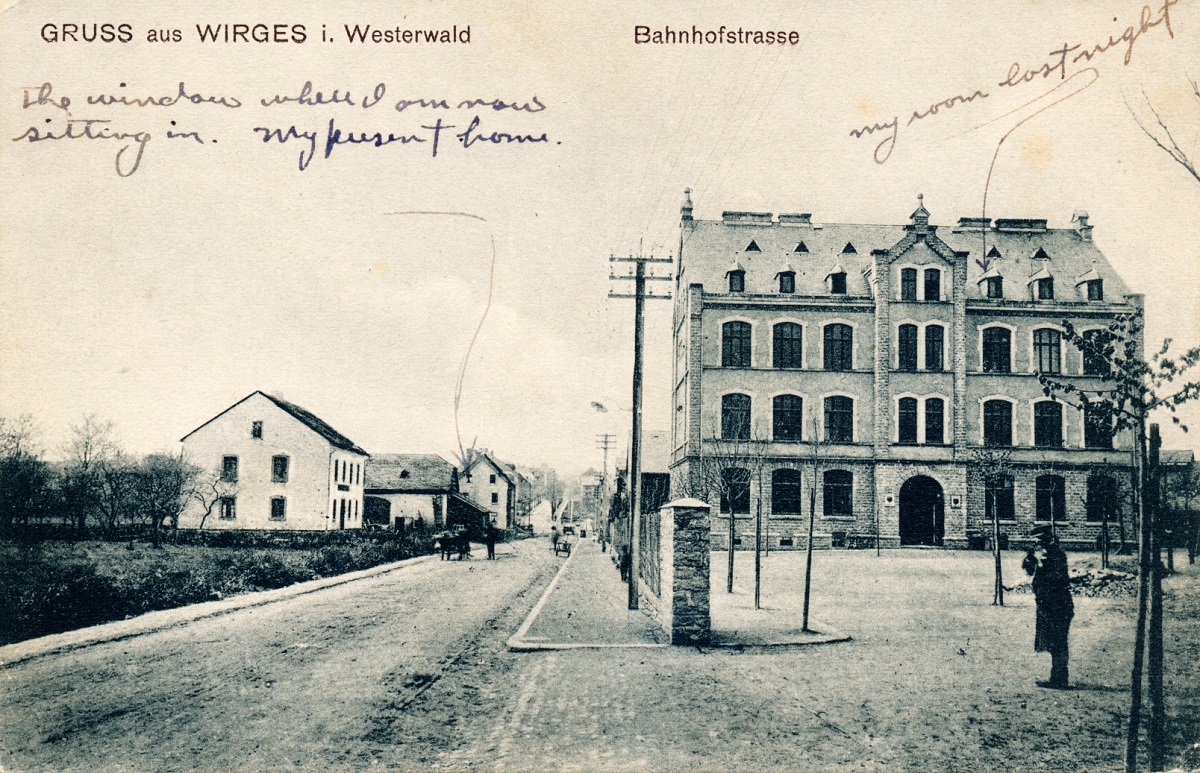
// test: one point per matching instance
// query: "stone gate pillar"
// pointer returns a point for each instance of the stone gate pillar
(682, 603)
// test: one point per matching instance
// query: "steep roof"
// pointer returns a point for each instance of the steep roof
(506, 472)
(711, 245)
(302, 415)
(409, 473)
(1176, 457)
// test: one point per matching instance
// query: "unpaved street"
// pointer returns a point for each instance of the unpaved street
(409, 671)
(313, 682)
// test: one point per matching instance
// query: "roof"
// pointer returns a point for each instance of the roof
(409, 473)
(506, 471)
(711, 245)
(302, 415)
(1176, 457)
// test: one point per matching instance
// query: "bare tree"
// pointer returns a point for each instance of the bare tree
(1161, 135)
(165, 481)
(25, 480)
(815, 459)
(90, 445)
(993, 468)
(208, 488)
(117, 479)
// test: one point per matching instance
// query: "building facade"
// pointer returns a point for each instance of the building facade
(497, 487)
(276, 466)
(405, 489)
(866, 371)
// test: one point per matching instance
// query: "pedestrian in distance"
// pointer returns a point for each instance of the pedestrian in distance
(554, 538)
(491, 534)
(1046, 563)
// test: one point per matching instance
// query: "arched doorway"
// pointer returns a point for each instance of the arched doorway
(922, 516)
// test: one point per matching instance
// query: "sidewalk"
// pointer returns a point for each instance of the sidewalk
(585, 606)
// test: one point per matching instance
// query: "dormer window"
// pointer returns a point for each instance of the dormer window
(994, 253)
(1095, 290)
(849, 249)
(787, 282)
(1045, 289)
(801, 247)
(1041, 254)
(994, 287)
(737, 281)
(752, 246)
(837, 283)
(256, 430)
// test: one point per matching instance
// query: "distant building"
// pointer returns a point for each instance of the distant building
(499, 488)
(902, 350)
(279, 466)
(401, 489)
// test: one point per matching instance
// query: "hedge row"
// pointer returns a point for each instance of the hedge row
(45, 591)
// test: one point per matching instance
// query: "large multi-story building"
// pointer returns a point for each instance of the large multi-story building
(873, 362)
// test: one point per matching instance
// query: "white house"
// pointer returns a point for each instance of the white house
(280, 467)
(493, 485)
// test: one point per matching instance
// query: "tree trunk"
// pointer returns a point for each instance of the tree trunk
(1154, 657)
(758, 522)
(729, 578)
(812, 517)
(1139, 645)
(998, 595)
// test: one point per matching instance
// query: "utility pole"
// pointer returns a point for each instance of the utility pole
(604, 442)
(639, 296)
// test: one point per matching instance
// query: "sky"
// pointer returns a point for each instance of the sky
(155, 295)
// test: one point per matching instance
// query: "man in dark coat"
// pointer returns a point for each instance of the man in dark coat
(1047, 564)
(491, 535)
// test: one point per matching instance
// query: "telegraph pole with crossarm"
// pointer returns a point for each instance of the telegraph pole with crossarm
(639, 278)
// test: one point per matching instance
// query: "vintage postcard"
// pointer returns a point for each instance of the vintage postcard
(413, 385)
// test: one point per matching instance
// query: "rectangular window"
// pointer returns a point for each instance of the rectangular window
(229, 469)
(787, 282)
(492, 479)
(1047, 350)
(786, 497)
(933, 284)
(1051, 498)
(908, 420)
(997, 350)
(735, 345)
(735, 490)
(735, 417)
(839, 419)
(495, 498)
(935, 433)
(995, 287)
(1097, 425)
(839, 346)
(997, 423)
(908, 284)
(737, 282)
(1096, 346)
(787, 416)
(1095, 288)
(279, 469)
(1045, 289)
(837, 284)
(227, 509)
(1047, 425)
(935, 336)
(256, 429)
(839, 494)
(278, 509)
(787, 346)
(1101, 498)
(998, 500)
(907, 354)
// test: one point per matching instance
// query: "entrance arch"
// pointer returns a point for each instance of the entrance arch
(922, 511)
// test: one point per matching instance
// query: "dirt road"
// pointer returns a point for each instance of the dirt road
(316, 682)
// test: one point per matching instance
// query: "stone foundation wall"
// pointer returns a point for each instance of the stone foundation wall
(682, 606)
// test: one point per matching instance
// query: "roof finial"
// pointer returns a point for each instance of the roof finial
(685, 211)
(920, 199)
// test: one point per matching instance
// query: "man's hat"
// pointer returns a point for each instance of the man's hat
(1043, 530)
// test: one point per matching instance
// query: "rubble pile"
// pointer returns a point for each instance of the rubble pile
(1096, 583)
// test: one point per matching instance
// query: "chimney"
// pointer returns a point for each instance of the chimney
(795, 219)
(1080, 218)
(685, 211)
